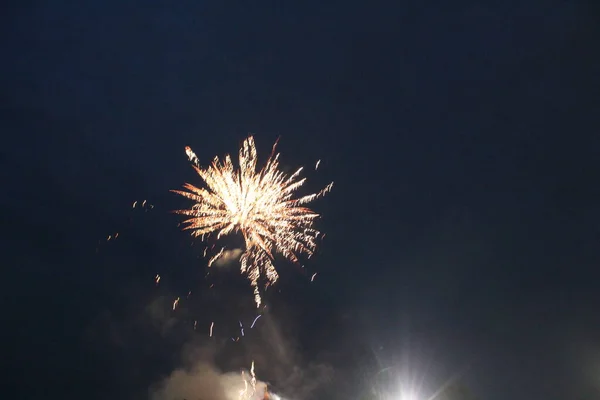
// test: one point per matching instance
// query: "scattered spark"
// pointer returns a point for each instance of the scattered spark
(212, 324)
(241, 328)
(317, 165)
(157, 279)
(259, 204)
(254, 322)
(313, 277)
(195, 324)
(112, 237)
(189, 294)
(175, 303)
(142, 205)
(191, 155)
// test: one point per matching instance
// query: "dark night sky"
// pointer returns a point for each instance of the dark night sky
(463, 231)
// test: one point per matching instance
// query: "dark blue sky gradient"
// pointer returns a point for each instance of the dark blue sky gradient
(464, 226)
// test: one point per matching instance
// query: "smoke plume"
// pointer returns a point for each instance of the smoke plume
(228, 257)
(204, 382)
(277, 358)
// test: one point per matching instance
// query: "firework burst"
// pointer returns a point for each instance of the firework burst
(258, 204)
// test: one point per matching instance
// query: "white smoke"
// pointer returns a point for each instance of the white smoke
(200, 379)
(228, 257)
(204, 382)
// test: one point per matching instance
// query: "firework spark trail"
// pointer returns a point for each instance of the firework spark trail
(244, 395)
(259, 204)
(253, 380)
(216, 257)
(212, 324)
(244, 391)
(254, 322)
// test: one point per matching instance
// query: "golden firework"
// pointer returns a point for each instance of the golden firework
(259, 204)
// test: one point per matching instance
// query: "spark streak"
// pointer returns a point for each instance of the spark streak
(212, 324)
(258, 204)
(254, 322)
